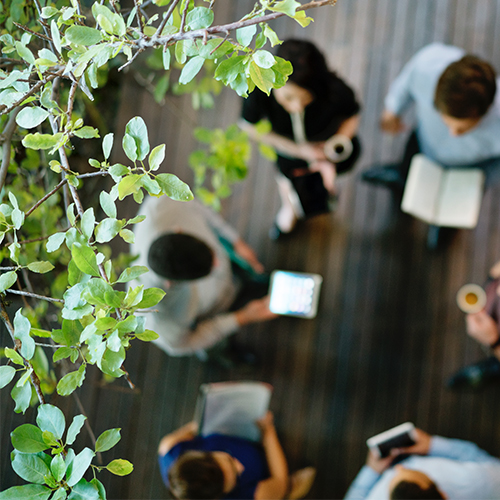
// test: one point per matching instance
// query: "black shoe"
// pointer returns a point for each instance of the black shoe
(476, 376)
(389, 176)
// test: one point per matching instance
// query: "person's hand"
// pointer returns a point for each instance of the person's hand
(421, 447)
(482, 327)
(495, 272)
(255, 312)
(266, 422)
(312, 151)
(328, 173)
(378, 464)
(391, 123)
(246, 252)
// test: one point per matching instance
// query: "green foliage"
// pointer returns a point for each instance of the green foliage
(58, 247)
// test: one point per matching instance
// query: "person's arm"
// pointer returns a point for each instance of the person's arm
(349, 127)
(484, 329)
(307, 151)
(455, 449)
(368, 476)
(185, 433)
(276, 485)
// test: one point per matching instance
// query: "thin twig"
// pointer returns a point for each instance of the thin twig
(167, 16)
(71, 99)
(5, 140)
(139, 17)
(53, 346)
(128, 63)
(7, 323)
(11, 268)
(183, 20)
(87, 424)
(39, 35)
(48, 195)
(34, 296)
(127, 376)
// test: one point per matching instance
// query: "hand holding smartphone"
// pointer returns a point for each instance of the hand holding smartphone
(401, 436)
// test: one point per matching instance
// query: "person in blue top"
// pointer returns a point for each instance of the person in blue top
(218, 466)
(436, 468)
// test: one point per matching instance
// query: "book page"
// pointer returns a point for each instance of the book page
(422, 188)
(461, 195)
(231, 408)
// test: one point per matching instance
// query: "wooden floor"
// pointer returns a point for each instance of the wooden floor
(388, 332)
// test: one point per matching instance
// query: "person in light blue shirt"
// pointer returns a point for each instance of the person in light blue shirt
(457, 113)
(437, 468)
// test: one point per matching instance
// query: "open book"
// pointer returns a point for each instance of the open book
(443, 197)
(231, 408)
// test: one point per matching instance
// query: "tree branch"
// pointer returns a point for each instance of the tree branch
(48, 195)
(39, 35)
(139, 17)
(183, 19)
(6, 139)
(34, 296)
(167, 16)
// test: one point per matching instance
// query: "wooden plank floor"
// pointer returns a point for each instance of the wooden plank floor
(388, 333)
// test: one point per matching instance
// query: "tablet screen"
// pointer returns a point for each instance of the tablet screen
(294, 294)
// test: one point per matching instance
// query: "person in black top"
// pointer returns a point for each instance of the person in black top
(312, 107)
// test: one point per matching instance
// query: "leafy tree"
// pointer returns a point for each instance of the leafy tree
(55, 251)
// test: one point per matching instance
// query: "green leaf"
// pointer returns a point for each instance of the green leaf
(87, 133)
(74, 428)
(79, 466)
(151, 297)
(118, 170)
(139, 132)
(71, 381)
(62, 353)
(108, 204)
(100, 488)
(58, 467)
(37, 332)
(174, 188)
(263, 78)
(199, 18)
(49, 439)
(88, 222)
(229, 69)
(56, 36)
(41, 141)
(95, 291)
(107, 440)
(30, 467)
(40, 267)
(26, 492)
(302, 18)
(83, 35)
(264, 59)
(245, 35)
(147, 336)
(166, 58)
(51, 418)
(127, 235)
(7, 280)
(191, 69)
(25, 53)
(21, 394)
(84, 490)
(85, 259)
(150, 185)
(130, 147)
(22, 327)
(48, 12)
(286, 6)
(17, 218)
(129, 185)
(28, 438)
(107, 229)
(55, 241)
(59, 494)
(31, 117)
(156, 157)
(107, 145)
(6, 375)
(105, 323)
(120, 467)
(132, 273)
(13, 356)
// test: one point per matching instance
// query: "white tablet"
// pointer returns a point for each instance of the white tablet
(400, 436)
(294, 294)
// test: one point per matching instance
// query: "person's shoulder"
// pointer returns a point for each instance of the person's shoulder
(438, 52)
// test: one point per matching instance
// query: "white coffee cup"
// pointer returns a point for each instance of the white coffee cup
(471, 298)
(338, 148)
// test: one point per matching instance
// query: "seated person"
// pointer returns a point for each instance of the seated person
(314, 105)
(217, 466)
(457, 114)
(188, 249)
(484, 327)
(437, 468)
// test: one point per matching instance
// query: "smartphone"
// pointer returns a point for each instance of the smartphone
(294, 294)
(400, 436)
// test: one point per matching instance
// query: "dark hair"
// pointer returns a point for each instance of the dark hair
(179, 256)
(406, 490)
(196, 475)
(310, 70)
(466, 89)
